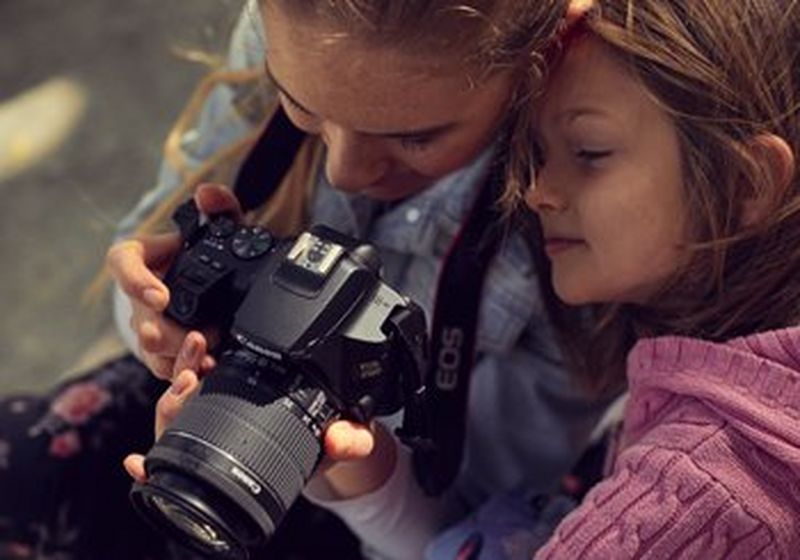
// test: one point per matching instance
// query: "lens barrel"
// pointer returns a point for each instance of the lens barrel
(224, 474)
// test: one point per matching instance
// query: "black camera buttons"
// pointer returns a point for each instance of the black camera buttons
(208, 261)
(222, 227)
(184, 302)
(251, 242)
(198, 276)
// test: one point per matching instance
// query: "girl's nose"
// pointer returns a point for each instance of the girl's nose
(539, 197)
(354, 161)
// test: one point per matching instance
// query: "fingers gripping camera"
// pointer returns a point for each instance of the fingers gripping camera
(310, 334)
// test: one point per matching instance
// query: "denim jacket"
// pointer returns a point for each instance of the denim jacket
(527, 424)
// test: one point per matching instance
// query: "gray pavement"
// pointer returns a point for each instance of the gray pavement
(57, 216)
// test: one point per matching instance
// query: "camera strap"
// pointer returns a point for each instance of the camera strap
(457, 304)
(268, 162)
(454, 334)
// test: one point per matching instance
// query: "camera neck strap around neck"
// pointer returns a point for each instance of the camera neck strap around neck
(268, 161)
(457, 303)
(454, 332)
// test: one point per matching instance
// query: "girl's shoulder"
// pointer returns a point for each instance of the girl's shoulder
(662, 502)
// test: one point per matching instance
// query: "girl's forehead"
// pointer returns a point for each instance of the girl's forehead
(315, 46)
(375, 89)
(360, 37)
(589, 73)
(371, 97)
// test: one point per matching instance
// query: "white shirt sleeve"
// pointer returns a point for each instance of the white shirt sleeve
(396, 521)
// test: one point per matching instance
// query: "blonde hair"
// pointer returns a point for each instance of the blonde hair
(487, 34)
(726, 72)
(491, 32)
(286, 211)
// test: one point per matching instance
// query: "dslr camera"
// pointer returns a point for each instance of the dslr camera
(309, 334)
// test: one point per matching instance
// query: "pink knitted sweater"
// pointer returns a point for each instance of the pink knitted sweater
(710, 460)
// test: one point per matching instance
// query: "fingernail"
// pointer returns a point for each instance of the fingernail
(153, 297)
(180, 385)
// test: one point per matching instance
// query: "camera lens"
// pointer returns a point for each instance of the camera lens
(194, 515)
(195, 528)
(223, 475)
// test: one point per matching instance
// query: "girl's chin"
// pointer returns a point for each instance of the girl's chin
(574, 295)
(570, 298)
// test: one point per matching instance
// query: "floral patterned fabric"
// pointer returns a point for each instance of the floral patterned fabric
(64, 492)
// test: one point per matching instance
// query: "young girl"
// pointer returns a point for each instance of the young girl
(667, 193)
(409, 100)
(668, 198)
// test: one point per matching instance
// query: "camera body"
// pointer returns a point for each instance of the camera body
(309, 334)
(313, 305)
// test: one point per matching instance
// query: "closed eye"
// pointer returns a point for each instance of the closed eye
(295, 105)
(416, 142)
(593, 156)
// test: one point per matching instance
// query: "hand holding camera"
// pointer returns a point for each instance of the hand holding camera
(310, 335)
(138, 266)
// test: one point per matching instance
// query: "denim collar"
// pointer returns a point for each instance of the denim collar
(419, 225)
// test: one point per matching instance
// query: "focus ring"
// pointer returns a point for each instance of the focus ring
(269, 440)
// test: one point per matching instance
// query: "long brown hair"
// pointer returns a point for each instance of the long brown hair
(726, 71)
(486, 34)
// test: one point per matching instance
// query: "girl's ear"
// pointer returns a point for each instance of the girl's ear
(777, 159)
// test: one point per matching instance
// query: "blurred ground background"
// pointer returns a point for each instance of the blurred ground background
(111, 66)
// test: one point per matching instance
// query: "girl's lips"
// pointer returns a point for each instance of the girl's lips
(556, 245)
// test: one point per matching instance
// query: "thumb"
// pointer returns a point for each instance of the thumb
(347, 441)
(134, 465)
(213, 198)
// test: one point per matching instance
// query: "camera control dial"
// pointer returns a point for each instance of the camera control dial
(251, 242)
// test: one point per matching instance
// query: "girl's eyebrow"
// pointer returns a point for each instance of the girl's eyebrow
(569, 116)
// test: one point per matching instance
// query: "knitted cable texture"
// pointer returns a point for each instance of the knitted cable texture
(710, 460)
